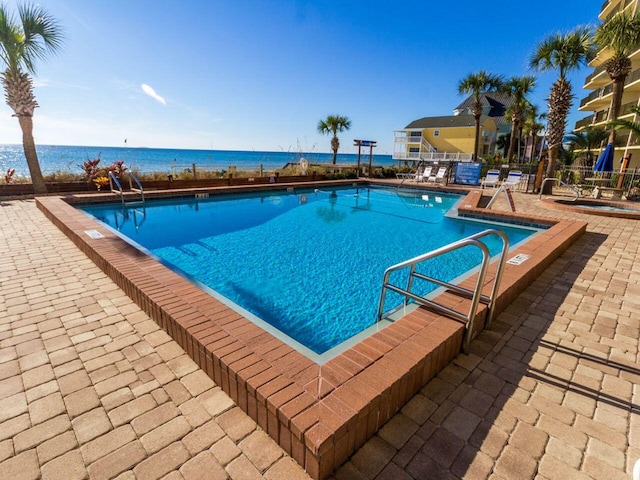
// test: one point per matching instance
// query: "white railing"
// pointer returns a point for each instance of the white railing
(434, 156)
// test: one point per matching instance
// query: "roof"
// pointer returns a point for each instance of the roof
(449, 121)
(499, 103)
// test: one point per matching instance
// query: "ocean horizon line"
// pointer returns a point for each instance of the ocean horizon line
(69, 158)
(127, 147)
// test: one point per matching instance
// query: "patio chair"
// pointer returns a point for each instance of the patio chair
(426, 173)
(438, 177)
(513, 179)
(524, 181)
(492, 179)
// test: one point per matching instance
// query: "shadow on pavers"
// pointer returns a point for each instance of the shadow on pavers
(455, 412)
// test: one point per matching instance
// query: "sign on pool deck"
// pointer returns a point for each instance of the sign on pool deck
(467, 173)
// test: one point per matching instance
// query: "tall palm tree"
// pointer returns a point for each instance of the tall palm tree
(478, 84)
(33, 36)
(518, 88)
(621, 36)
(588, 140)
(331, 126)
(562, 53)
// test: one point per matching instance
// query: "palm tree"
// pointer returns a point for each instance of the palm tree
(478, 84)
(632, 125)
(332, 125)
(589, 139)
(518, 88)
(562, 53)
(33, 36)
(531, 126)
(621, 36)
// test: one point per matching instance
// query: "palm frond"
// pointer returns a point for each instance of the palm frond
(621, 34)
(564, 52)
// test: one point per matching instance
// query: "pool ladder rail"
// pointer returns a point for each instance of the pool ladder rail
(116, 187)
(475, 295)
(575, 189)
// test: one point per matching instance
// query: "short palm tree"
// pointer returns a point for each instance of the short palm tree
(33, 36)
(561, 53)
(478, 84)
(531, 127)
(621, 36)
(631, 125)
(331, 126)
(588, 140)
(518, 88)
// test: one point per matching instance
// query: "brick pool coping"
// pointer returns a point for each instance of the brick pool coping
(319, 414)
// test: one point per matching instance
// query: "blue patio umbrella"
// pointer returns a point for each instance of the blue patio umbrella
(605, 160)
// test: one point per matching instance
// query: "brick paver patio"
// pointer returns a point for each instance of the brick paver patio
(90, 387)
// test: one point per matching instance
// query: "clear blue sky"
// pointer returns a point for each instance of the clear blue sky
(259, 74)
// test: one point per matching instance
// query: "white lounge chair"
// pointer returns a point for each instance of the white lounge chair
(491, 179)
(426, 173)
(438, 177)
(418, 175)
(513, 179)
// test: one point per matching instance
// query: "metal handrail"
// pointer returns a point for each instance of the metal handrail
(475, 295)
(139, 189)
(118, 190)
(114, 180)
(575, 189)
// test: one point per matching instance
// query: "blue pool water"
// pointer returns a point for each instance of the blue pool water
(309, 263)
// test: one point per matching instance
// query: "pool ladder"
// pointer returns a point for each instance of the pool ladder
(575, 189)
(475, 295)
(116, 187)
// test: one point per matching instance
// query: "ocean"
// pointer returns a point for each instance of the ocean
(68, 159)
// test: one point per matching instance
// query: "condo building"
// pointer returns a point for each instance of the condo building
(600, 89)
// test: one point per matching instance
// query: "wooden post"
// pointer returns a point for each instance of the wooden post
(370, 157)
(623, 168)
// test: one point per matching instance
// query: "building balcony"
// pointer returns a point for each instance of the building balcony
(584, 122)
(600, 98)
(606, 8)
(597, 79)
(613, 7)
(599, 118)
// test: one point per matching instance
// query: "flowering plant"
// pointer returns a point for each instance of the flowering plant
(8, 178)
(100, 182)
(117, 168)
(100, 175)
(91, 168)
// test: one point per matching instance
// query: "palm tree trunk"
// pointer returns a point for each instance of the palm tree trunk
(559, 106)
(520, 144)
(29, 146)
(477, 139)
(512, 142)
(335, 145)
(616, 100)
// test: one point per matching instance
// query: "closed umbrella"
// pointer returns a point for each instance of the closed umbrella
(605, 160)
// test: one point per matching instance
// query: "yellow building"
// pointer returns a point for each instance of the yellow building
(444, 138)
(598, 100)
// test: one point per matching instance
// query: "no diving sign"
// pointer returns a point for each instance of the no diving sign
(518, 259)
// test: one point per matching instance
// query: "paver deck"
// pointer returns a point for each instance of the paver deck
(92, 388)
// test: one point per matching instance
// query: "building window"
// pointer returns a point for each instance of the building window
(414, 150)
(436, 133)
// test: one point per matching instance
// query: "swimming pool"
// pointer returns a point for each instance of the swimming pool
(307, 262)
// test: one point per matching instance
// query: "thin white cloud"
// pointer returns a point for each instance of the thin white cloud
(152, 93)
